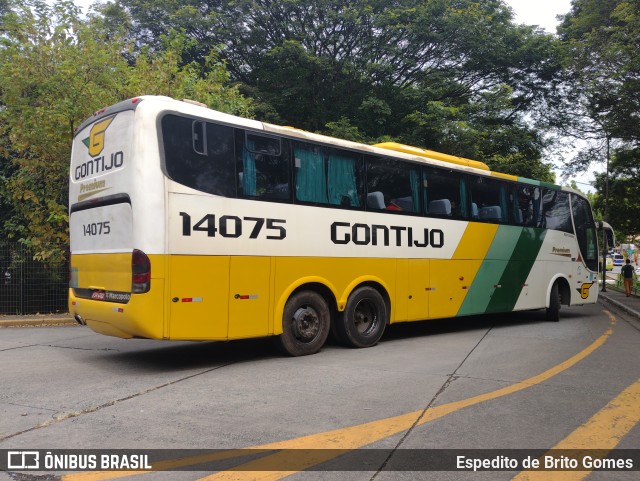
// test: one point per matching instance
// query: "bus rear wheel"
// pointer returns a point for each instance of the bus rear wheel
(363, 320)
(305, 324)
(553, 311)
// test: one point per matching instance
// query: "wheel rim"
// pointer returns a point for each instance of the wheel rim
(365, 317)
(306, 324)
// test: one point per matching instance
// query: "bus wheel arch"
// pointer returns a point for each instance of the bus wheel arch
(365, 316)
(559, 294)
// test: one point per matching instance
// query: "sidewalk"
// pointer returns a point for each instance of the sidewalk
(37, 320)
(618, 298)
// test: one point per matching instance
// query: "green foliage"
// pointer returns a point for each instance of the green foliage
(55, 70)
(457, 77)
(624, 192)
(600, 98)
(53, 74)
(422, 72)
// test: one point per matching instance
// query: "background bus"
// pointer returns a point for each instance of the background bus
(187, 223)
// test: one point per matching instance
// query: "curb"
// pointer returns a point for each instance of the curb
(39, 322)
(619, 305)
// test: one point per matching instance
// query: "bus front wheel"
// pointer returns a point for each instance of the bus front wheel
(553, 311)
(364, 318)
(305, 324)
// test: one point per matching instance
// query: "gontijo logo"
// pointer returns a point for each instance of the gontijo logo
(100, 162)
(584, 289)
(95, 141)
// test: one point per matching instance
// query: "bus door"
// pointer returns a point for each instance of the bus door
(249, 296)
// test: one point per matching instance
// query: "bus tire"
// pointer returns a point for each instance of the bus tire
(553, 311)
(305, 324)
(364, 318)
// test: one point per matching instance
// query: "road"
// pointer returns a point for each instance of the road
(493, 382)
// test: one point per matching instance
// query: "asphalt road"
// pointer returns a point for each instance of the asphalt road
(487, 383)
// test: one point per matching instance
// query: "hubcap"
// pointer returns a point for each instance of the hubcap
(365, 317)
(306, 324)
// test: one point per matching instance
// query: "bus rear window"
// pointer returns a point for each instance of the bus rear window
(199, 154)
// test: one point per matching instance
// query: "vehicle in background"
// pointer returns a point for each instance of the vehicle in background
(618, 259)
(608, 263)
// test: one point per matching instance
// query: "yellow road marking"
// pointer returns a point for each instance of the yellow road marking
(358, 436)
(603, 432)
(353, 437)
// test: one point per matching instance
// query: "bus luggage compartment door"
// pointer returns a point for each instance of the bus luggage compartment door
(249, 297)
(450, 282)
(199, 287)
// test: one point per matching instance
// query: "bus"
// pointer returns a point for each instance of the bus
(191, 224)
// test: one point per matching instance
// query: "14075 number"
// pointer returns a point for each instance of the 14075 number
(97, 228)
(233, 226)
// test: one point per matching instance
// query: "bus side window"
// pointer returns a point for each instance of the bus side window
(198, 154)
(526, 206)
(392, 186)
(310, 173)
(491, 198)
(556, 213)
(344, 178)
(585, 228)
(263, 166)
(445, 193)
(325, 175)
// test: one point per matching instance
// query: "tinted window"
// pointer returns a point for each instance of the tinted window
(445, 193)
(526, 205)
(327, 176)
(392, 186)
(585, 231)
(199, 154)
(263, 165)
(556, 213)
(489, 199)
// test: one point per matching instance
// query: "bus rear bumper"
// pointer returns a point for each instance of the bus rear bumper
(141, 317)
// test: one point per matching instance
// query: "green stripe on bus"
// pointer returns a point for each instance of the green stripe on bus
(524, 180)
(501, 276)
(490, 271)
(517, 270)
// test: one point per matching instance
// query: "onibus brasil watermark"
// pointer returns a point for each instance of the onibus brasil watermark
(49, 460)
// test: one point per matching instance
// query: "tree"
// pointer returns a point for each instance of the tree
(55, 70)
(599, 99)
(410, 70)
(624, 192)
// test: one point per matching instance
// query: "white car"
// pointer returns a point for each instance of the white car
(618, 259)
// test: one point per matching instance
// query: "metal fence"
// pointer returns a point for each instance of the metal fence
(29, 286)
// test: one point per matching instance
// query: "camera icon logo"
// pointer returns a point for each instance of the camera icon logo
(23, 460)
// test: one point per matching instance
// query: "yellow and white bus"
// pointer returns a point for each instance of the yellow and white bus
(191, 224)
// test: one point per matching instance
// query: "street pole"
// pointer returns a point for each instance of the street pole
(606, 219)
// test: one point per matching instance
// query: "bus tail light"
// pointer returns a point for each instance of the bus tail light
(140, 272)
